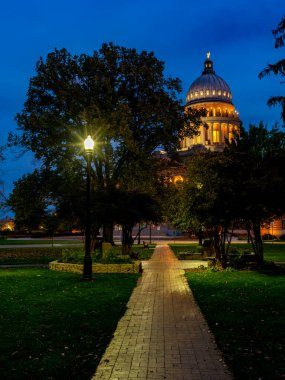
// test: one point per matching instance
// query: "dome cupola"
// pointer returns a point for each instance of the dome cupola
(208, 87)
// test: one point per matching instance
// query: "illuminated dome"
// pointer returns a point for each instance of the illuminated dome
(208, 87)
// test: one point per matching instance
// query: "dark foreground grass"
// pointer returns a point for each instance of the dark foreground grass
(246, 312)
(53, 326)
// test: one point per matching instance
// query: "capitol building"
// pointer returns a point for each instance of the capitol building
(209, 91)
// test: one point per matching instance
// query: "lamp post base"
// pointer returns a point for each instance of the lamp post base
(87, 278)
(87, 268)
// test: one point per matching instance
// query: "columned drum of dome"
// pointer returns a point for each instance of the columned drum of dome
(212, 93)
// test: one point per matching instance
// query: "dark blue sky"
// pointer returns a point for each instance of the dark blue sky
(180, 32)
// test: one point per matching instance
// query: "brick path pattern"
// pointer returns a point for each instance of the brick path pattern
(163, 334)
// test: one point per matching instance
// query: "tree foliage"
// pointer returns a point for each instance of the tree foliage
(277, 68)
(28, 202)
(259, 154)
(120, 97)
(244, 184)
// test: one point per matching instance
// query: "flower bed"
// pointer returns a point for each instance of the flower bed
(135, 267)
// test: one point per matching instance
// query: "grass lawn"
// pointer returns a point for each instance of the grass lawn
(53, 326)
(246, 312)
(272, 251)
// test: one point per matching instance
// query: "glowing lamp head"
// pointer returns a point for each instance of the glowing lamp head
(89, 144)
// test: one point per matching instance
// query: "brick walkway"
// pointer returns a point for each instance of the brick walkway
(163, 334)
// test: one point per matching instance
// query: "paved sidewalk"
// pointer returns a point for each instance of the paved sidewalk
(163, 334)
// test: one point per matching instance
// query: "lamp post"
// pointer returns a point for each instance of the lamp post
(87, 266)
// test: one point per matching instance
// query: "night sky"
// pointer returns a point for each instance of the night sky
(180, 32)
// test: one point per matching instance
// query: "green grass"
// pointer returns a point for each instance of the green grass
(246, 312)
(53, 326)
(38, 242)
(26, 260)
(272, 251)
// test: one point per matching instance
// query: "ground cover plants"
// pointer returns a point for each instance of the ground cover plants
(245, 310)
(53, 326)
(272, 251)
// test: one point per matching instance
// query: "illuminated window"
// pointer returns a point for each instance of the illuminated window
(196, 94)
(216, 133)
(214, 92)
(207, 92)
(201, 93)
(191, 95)
(198, 139)
(219, 92)
(231, 135)
(225, 94)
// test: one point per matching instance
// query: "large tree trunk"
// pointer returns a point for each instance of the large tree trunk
(108, 233)
(258, 243)
(256, 240)
(220, 235)
(94, 241)
(200, 236)
(127, 238)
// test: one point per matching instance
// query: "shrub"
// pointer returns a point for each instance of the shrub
(72, 255)
(112, 257)
(76, 256)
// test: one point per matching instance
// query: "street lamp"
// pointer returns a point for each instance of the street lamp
(87, 266)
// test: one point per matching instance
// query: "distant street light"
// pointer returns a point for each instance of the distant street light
(87, 266)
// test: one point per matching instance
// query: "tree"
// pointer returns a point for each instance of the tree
(2, 196)
(244, 184)
(118, 96)
(277, 68)
(28, 202)
(258, 156)
(135, 207)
